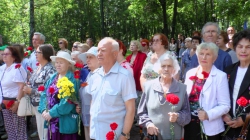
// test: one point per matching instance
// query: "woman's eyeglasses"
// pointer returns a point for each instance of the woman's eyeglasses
(5, 54)
(60, 43)
(38, 52)
(75, 46)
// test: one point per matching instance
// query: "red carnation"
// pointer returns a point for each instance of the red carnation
(9, 104)
(41, 88)
(198, 88)
(69, 101)
(113, 126)
(79, 65)
(17, 66)
(29, 48)
(29, 69)
(26, 54)
(205, 74)
(110, 135)
(172, 98)
(77, 74)
(193, 78)
(51, 90)
(37, 64)
(242, 101)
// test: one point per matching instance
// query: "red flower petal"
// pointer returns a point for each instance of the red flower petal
(110, 135)
(51, 90)
(41, 88)
(193, 78)
(172, 98)
(9, 104)
(113, 126)
(17, 66)
(29, 69)
(77, 74)
(205, 74)
(242, 101)
(37, 64)
(79, 65)
(29, 48)
(26, 54)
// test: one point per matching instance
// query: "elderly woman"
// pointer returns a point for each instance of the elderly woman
(154, 111)
(152, 63)
(208, 94)
(85, 98)
(13, 78)
(239, 84)
(43, 72)
(57, 104)
(63, 45)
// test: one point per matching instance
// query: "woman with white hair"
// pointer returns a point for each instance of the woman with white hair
(208, 93)
(155, 113)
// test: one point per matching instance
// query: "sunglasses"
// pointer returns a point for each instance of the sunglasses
(60, 43)
(75, 46)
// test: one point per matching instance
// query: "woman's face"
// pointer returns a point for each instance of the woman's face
(61, 44)
(133, 47)
(167, 69)
(206, 58)
(62, 65)
(92, 62)
(7, 57)
(157, 43)
(39, 55)
(220, 42)
(243, 50)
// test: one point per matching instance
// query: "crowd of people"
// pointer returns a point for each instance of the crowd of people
(191, 88)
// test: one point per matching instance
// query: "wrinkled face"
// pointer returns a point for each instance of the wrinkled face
(243, 50)
(210, 34)
(39, 55)
(62, 65)
(220, 42)
(188, 43)
(195, 43)
(206, 58)
(7, 56)
(167, 69)
(36, 41)
(230, 30)
(106, 54)
(157, 43)
(133, 47)
(92, 62)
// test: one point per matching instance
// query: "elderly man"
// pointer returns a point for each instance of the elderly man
(210, 33)
(113, 94)
(230, 30)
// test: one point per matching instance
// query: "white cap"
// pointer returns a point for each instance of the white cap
(83, 56)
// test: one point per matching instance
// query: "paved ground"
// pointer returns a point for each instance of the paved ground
(135, 132)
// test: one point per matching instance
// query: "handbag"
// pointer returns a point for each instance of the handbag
(244, 130)
(25, 108)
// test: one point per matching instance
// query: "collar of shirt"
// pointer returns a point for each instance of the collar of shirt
(114, 69)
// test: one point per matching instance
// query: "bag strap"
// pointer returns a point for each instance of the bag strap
(244, 130)
(1, 84)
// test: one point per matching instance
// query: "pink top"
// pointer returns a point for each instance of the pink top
(127, 66)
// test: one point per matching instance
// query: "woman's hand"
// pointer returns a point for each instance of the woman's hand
(235, 123)
(173, 116)
(152, 129)
(46, 116)
(14, 107)
(27, 89)
(226, 118)
(78, 109)
(202, 115)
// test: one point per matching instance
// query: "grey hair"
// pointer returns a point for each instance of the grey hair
(208, 45)
(75, 52)
(42, 37)
(115, 44)
(174, 60)
(137, 43)
(211, 24)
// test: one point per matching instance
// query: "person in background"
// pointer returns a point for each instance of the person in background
(230, 30)
(145, 46)
(120, 57)
(196, 33)
(90, 42)
(2, 48)
(208, 95)
(221, 43)
(63, 45)
(155, 113)
(173, 45)
(39, 77)
(12, 81)
(74, 56)
(113, 94)
(196, 40)
(83, 47)
(85, 99)
(75, 46)
(239, 85)
(185, 60)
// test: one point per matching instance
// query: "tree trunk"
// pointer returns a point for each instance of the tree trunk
(164, 14)
(102, 17)
(32, 22)
(174, 17)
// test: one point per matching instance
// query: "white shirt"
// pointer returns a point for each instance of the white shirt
(239, 78)
(9, 80)
(109, 93)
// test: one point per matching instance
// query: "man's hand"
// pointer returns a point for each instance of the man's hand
(235, 123)
(152, 129)
(226, 118)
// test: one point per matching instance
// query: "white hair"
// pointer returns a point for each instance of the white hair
(174, 60)
(188, 39)
(75, 52)
(211, 24)
(115, 44)
(208, 45)
(42, 37)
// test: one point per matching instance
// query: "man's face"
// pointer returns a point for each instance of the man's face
(36, 41)
(230, 30)
(210, 34)
(188, 43)
(89, 42)
(106, 54)
(195, 43)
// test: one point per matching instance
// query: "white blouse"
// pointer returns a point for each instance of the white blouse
(9, 80)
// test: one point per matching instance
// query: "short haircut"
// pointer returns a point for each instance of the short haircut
(42, 37)
(20, 49)
(84, 46)
(77, 43)
(208, 45)
(65, 42)
(90, 40)
(145, 40)
(211, 24)
(239, 36)
(75, 52)
(47, 51)
(197, 38)
(114, 44)
(188, 39)
(137, 43)
(197, 32)
(174, 60)
(164, 39)
(15, 53)
(122, 47)
(224, 36)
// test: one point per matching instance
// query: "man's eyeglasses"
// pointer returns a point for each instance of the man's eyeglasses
(6, 54)
(211, 32)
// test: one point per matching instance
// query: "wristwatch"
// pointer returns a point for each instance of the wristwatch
(127, 136)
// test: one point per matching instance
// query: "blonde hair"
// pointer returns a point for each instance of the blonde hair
(137, 43)
(83, 47)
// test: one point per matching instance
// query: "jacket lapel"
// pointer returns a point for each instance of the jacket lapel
(209, 79)
(245, 83)
(232, 76)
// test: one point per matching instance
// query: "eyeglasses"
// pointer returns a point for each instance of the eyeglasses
(60, 43)
(75, 46)
(211, 32)
(157, 40)
(38, 52)
(6, 54)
